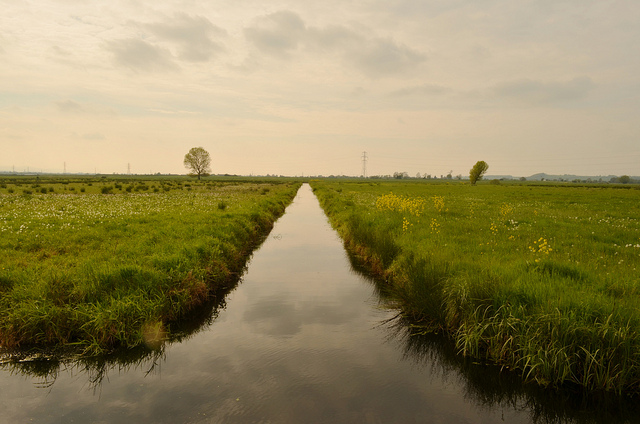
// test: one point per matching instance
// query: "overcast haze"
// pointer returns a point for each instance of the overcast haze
(291, 87)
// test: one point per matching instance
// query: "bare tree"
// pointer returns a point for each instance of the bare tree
(198, 162)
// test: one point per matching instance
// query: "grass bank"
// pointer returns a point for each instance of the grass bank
(542, 280)
(99, 266)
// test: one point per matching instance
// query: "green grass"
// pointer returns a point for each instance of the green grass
(99, 271)
(539, 279)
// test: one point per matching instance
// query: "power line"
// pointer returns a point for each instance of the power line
(364, 164)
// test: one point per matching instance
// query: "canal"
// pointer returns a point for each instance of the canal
(302, 338)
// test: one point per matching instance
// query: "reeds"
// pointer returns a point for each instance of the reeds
(512, 273)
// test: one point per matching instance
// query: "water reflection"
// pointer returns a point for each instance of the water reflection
(44, 366)
(304, 338)
(45, 369)
(492, 387)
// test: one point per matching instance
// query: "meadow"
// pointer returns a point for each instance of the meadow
(93, 264)
(539, 279)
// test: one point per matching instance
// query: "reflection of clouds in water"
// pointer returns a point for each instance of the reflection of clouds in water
(276, 317)
(298, 342)
(298, 385)
(294, 344)
(279, 316)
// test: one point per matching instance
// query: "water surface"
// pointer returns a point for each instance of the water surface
(303, 338)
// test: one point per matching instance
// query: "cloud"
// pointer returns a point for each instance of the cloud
(140, 55)
(409, 9)
(534, 92)
(384, 57)
(333, 37)
(73, 107)
(193, 36)
(59, 51)
(283, 33)
(69, 106)
(421, 90)
(181, 37)
(277, 34)
(93, 136)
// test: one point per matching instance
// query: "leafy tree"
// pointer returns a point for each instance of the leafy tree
(400, 175)
(478, 171)
(198, 162)
(625, 179)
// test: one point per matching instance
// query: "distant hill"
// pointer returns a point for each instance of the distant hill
(498, 177)
(570, 177)
(565, 177)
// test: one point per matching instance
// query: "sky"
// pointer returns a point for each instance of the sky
(305, 88)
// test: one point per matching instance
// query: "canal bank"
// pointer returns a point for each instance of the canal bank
(302, 338)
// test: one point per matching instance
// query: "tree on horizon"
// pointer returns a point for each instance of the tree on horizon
(198, 161)
(478, 170)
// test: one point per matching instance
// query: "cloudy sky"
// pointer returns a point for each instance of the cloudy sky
(292, 87)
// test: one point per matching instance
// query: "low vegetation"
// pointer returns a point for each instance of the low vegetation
(98, 264)
(543, 279)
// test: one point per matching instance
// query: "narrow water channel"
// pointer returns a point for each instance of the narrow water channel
(302, 339)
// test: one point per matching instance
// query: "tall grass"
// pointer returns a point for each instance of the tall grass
(543, 280)
(99, 271)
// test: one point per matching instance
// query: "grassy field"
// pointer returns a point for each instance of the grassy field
(95, 263)
(541, 279)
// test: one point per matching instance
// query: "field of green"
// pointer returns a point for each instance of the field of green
(540, 279)
(94, 263)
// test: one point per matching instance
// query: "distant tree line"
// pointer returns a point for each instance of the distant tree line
(405, 175)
